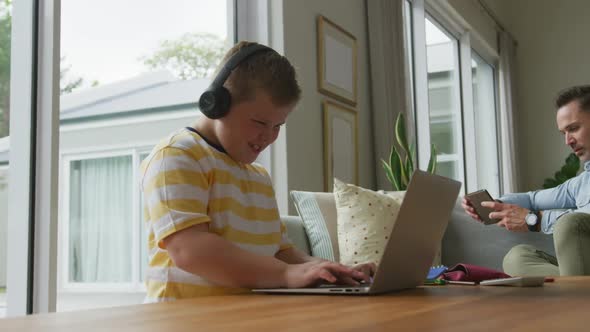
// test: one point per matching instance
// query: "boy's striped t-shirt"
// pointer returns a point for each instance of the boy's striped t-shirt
(185, 182)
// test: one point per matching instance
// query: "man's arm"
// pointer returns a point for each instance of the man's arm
(197, 251)
(550, 203)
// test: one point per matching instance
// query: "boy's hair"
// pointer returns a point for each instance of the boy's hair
(580, 93)
(267, 71)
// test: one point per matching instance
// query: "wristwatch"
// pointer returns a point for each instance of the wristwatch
(531, 220)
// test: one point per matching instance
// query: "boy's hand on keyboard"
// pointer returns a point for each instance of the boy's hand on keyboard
(317, 272)
(368, 269)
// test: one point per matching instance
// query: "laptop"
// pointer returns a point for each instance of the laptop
(419, 228)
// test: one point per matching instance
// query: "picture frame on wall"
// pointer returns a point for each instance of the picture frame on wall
(340, 144)
(337, 62)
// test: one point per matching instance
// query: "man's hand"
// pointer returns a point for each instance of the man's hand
(317, 272)
(511, 216)
(469, 209)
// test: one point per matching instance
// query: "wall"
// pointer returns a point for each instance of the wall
(483, 28)
(117, 136)
(552, 54)
(305, 128)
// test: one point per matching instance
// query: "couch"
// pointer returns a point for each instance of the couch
(465, 241)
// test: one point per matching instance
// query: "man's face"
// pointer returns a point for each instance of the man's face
(574, 124)
(250, 127)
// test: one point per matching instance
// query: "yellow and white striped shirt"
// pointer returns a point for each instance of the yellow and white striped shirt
(185, 182)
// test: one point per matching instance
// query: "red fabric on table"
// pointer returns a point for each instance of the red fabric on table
(468, 272)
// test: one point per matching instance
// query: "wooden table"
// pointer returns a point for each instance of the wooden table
(558, 306)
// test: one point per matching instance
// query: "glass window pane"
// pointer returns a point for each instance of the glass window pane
(443, 100)
(484, 106)
(5, 49)
(125, 85)
(100, 224)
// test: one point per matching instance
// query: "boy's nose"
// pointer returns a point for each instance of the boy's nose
(266, 135)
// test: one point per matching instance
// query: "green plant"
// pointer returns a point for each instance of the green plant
(398, 172)
(567, 171)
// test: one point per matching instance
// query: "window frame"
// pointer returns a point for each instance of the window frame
(32, 215)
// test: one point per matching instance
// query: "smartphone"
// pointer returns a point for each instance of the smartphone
(515, 281)
(475, 198)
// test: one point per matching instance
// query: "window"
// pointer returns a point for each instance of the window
(106, 248)
(444, 100)
(124, 87)
(455, 100)
(100, 220)
(486, 138)
(106, 238)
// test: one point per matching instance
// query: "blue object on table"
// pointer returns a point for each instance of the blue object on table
(436, 271)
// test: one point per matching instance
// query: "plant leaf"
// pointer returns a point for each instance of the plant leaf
(395, 163)
(389, 174)
(432, 162)
(400, 133)
(412, 157)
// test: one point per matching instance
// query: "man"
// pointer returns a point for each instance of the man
(562, 211)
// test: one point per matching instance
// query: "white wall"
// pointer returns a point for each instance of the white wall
(552, 54)
(482, 25)
(305, 128)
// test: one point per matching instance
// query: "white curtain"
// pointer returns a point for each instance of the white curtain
(510, 176)
(100, 220)
(389, 77)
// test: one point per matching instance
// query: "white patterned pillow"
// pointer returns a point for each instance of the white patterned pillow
(365, 220)
(318, 212)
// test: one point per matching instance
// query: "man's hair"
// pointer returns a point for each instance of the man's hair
(265, 70)
(580, 93)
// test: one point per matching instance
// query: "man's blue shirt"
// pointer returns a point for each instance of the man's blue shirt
(570, 196)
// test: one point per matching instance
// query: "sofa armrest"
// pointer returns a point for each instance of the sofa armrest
(296, 232)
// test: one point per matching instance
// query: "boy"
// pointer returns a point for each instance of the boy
(214, 227)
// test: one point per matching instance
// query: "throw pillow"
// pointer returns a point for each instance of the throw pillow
(365, 220)
(318, 211)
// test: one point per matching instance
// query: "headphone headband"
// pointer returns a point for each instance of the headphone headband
(235, 60)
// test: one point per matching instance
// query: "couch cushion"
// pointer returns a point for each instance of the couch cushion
(296, 233)
(467, 241)
(318, 211)
(365, 220)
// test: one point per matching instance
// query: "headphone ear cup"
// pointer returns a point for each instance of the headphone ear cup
(223, 102)
(214, 103)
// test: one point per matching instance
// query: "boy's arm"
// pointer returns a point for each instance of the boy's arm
(293, 255)
(197, 251)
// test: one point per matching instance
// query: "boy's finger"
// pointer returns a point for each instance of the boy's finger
(349, 281)
(327, 275)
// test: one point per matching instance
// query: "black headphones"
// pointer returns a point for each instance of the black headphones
(215, 101)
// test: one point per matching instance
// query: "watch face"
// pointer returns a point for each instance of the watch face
(531, 219)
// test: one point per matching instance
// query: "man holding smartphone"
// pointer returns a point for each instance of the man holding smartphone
(563, 211)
